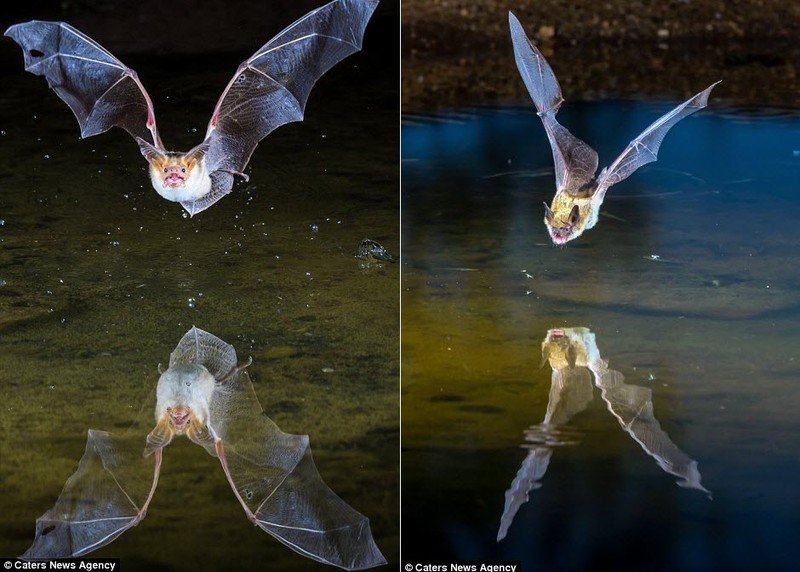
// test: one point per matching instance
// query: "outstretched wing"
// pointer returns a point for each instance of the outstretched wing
(272, 86)
(575, 161)
(101, 91)
(107, 495)
(632, 405)
(644, 149)
(273, 476)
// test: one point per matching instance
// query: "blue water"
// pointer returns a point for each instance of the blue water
(689, 283)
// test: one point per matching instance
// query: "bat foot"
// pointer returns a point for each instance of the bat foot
(237, 173)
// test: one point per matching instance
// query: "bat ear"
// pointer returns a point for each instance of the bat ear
(548, 213)
(158, 438)
(198, 152)
(151, 153)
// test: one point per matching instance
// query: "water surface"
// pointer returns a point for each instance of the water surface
(100, 277)
(688, 284)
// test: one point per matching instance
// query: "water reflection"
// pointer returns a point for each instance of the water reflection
(208, 397)
(577, 366)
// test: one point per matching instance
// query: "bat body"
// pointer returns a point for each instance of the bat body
(579, 192)
(578, 368)
(268, 90)
(207, 396)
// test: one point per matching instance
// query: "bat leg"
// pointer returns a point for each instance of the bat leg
(223, 461)
(232, 172)
(156, 472)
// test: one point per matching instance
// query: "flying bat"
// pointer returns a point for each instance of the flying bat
(268, 90)
(208, 397)
(579, 193)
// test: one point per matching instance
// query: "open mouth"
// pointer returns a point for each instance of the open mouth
(174, 180)
(179, 417)
(560, 236)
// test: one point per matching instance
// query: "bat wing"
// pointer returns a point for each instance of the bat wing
(273, 476)
(107, 495)
(101, 91)
(632, 405)
(575, 161)
(200, 347)
(271, 87)
(644, 149)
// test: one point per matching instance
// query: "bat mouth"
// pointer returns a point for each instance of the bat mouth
(179, 417)
(560, 236)
(557, 333)
(174, 180)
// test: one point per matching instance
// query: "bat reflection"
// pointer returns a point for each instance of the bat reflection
(207, 396)
(577, 366)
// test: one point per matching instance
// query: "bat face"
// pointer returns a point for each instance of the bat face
(569, 347)
(183, 402)
(568, 216)
(178, 177)
(183, 397)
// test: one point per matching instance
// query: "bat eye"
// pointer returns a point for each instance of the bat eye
(183, 170)
(165, 169)
(574, 215)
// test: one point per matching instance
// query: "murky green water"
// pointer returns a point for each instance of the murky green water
(689, 285)
(100, 278)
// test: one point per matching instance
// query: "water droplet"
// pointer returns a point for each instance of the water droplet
(314, 228)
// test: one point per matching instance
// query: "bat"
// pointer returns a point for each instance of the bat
(577, 368)
(579, 193)
(268, 90)
(208, 397)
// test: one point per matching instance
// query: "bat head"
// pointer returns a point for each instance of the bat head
(183, 401)
(177, 176)
(566, 348)
(569, 215)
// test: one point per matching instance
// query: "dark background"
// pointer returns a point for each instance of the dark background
(193, 27)
(458, 52)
